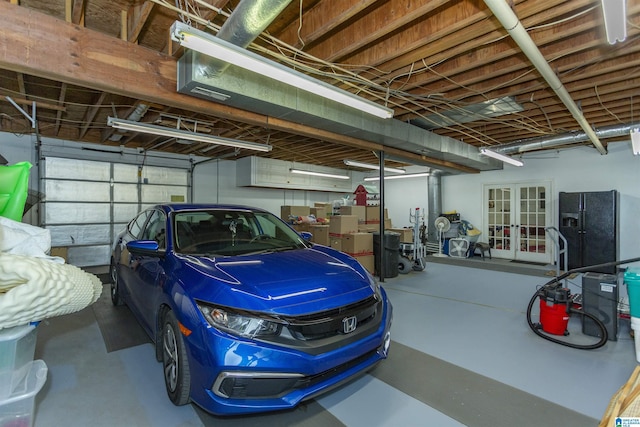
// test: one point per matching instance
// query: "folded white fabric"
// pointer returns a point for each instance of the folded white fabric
(33, 289)
(25, 239)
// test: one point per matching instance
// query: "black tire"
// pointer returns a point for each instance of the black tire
(404, 265)
(115, 286)
(175, 365)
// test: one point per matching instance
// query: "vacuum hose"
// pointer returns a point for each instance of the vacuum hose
(554, 283)
(535, 327)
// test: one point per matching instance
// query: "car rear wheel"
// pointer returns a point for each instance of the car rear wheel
(177, 377)
(115, 291)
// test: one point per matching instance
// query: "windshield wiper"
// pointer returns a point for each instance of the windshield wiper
(272, 250)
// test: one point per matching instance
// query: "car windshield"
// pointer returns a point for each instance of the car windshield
(227, 232)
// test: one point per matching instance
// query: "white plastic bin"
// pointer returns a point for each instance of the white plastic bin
(18, 408)
(17, 349)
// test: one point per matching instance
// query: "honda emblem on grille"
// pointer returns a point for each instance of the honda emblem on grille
(349, 324)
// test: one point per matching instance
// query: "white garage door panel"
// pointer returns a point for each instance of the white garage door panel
(164, 176)
(77, 213)
(123, 213)
(125, 173)
(68, 235)
(163, 194)
(87, 203)
(125, 193)
(84, 256)
(77, 169)
(77, 191)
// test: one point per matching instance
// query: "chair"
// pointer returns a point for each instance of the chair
(14, 187)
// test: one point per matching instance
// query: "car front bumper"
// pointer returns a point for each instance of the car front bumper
(234, 377)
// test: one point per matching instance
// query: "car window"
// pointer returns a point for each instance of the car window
(135, 226)
(155, 228)
(232, 232)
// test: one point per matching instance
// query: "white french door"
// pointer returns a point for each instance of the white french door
(515, 219)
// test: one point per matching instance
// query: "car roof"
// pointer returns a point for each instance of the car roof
(177, 207)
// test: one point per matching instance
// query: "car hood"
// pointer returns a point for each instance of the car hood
(291, 282)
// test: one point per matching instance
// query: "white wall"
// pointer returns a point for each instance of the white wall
(579, 169)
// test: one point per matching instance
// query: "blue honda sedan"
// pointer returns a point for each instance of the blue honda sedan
(246, 315)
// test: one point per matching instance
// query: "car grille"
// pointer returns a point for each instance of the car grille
(325, 331)
(330, 323)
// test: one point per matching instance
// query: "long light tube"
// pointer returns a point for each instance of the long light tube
(322, 174)
(409, 175)
(183, 134)
(615, 20)
(370, 166)
(501, 157)
(215, 47)
(635, 141)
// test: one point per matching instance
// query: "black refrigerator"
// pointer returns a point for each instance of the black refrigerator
(589, 222)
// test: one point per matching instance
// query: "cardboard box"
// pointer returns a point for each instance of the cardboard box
(319, 212)
(368, 228)
(367, 261)
(335, 242)
(358, 244)
(61, 251)
(305, 226)
(359, 211)
(286, 211)
(373, 214)
(320, 234)
(406, 234)
(327, 208)
(343, 224)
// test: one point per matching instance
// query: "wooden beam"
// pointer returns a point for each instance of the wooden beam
(138, 16)
(63, 94)
(78, 12)
(91, 114)
(29, 103)
(104, 63)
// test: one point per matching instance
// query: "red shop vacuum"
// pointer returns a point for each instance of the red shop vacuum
(557, 304)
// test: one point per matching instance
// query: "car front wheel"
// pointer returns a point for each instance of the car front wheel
(177, 377)
(115, 291)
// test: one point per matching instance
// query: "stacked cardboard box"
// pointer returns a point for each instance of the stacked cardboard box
(359, 211)
(320, 234)
(287, 211)
(360, 246)
(406, 234)
(341, 225)
(323, 210)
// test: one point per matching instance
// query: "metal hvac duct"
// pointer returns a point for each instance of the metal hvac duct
(532, 144)
(248, 20)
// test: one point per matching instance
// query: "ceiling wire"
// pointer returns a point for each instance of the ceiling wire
(355, 80)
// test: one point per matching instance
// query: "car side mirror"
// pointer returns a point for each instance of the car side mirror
(145, 248)
(306, 235)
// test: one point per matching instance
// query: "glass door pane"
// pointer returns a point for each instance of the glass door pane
(499, 219)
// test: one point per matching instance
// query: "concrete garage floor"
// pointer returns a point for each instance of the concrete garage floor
(462, 354)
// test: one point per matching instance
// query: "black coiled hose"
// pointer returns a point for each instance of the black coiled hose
(555, 282)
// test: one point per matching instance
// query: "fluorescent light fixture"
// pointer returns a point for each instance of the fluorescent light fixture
(501, 157)
(370, 166)
(322, 174)
(635, 141)
(409, 175)
(215, 47)
(183, 134)
(615, 20)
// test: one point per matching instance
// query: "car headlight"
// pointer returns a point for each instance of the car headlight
(243, 324)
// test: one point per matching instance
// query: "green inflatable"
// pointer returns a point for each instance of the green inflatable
(14, 185)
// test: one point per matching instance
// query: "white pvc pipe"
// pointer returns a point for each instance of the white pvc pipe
(516, 30)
